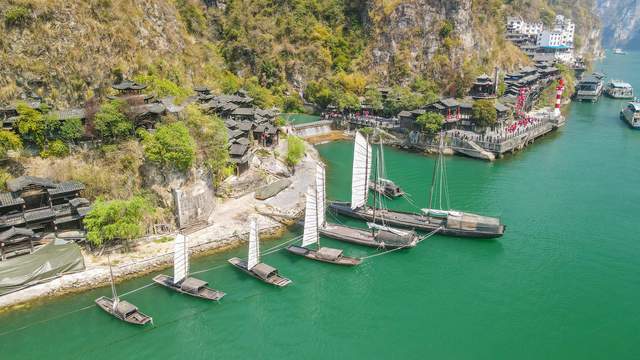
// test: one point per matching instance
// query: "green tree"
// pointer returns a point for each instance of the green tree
(402, 98)
(32, 124)
(170, 146)
(71, 129)
(116, 219)
(430, 122)
(295, 150)
(55, 148)
(484, 113)
(8, 141)
(111, 123)
(374, 98)
(212, 138)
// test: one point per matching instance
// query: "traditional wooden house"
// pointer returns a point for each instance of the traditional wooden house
(15, 241)
(239, 156)
(483, 88)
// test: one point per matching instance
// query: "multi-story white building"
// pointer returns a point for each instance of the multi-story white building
(560, 36)
(517, 25)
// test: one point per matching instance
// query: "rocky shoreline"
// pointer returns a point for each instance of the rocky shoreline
(149, 255)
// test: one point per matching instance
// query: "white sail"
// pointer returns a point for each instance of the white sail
(389, 229)
(310, 235)
(180, 259)
(254, 245)
(322, 197)
(361, 172)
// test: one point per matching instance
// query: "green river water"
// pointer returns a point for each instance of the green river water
(563, 283)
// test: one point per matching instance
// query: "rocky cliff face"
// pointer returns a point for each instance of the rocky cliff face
(620, 22)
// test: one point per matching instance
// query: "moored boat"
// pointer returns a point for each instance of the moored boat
(619, 51)
(253, 267)
(120, 309)
(619, 89)
(446, 222)
(382, 184)
(314, 218)
(181, 282)
(631, 114)
(589, 89)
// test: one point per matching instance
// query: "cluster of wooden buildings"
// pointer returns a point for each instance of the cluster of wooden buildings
(35, 205)
(246, 124)
(458, 113)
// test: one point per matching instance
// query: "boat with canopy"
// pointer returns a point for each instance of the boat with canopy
(437, 217)
(181, 281)
(314, 219)
(121, 309)
(253, 266)
(383, 185)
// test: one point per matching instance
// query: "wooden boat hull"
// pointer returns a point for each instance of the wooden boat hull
(413, 221)
(385, 192)
(364, 237)
(136, 318)
(313, 255)
(276, 280)
(205, 293)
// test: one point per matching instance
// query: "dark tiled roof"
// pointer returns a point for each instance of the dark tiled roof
(128, 85)
(13, 231)
(243, 112)
(69, 114)
(65, 187)
(37, 215)
(244, 126)
(22, 182)
(242, 141)
(9, 199)
(238, 149)
(449, 102)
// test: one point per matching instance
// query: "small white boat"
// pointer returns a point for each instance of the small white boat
(181, 281)
(631, 114)
(619, 51)
(253, 266)
(619, 89)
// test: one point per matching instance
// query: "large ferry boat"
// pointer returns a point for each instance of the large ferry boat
(619, 89)
(589, 89)
(631, 114)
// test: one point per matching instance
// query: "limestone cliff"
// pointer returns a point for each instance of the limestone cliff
(620, 22)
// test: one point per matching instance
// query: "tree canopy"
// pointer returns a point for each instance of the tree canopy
(9, 141)
(111, 122)
(170, 146)
(116, 219)
(295, 150)
(430, 122)
(211, 136)
(484, 113)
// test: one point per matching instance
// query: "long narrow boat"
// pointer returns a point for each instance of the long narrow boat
(120, 309)
(253, 266)
(314, 218)
(450, 222)
(181, 281)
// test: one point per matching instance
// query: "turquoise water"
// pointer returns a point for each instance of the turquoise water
(300, 118)
(563, 283)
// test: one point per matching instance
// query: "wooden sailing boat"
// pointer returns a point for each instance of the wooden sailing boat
(314, 218)
(383, 185)
(379, 236)
(181, 281)
(447, 222)
(253, 266)
(120, 309)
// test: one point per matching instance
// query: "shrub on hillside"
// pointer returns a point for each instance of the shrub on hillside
(212, 138)
(484, 112)
(430, 122)
(56, 148)
(117, 219)
(295, 150)
(111, 123)
(8, 141)
(170, 146)
(17, 15)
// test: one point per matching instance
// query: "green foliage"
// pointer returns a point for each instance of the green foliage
(71, 129)
(295, 150)
(262, 97)
(4, 176)
(212, 138)
(17, 15)
(280, 121)
(111, 123)
(192, 16)
(116, 219)
(170, 146)
(367, 131)
(374, 98)
(430, 122)
(484, 112)
(161, 86)
(9, 141)
(293, 104)
(446, 29)
(56, 148)
(32, 124)
(402, 98)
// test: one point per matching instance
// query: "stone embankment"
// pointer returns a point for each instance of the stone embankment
(227, 227)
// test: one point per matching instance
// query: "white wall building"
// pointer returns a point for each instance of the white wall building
(518, 26)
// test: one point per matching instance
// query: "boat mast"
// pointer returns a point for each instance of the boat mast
(316, 213)
(433, 179)
(114, 294)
